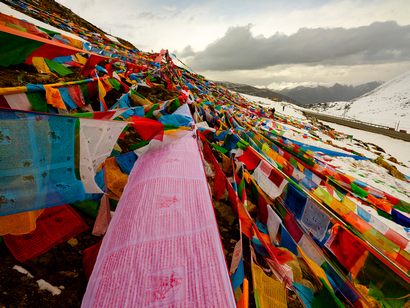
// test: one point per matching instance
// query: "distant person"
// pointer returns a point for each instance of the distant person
(273, 111)
(283, 108)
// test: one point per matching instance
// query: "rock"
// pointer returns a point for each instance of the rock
(73, 242)
(252, 208)
(377, 148)
(68, 274)
(307, 284)
(136, 101)
(226, 212)
(392, 159)
(392, 169)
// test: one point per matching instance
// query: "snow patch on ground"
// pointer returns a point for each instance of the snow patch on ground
(22, 270)
(44, 285)
(363, 170)
(393, 147)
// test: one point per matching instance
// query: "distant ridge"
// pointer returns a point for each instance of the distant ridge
(322, 94)
(247, 89)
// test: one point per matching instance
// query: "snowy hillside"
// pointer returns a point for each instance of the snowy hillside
(388, 104)
(363, 142)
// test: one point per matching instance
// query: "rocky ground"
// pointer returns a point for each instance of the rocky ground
(60, 266)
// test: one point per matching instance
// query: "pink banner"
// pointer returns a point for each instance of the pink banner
(162, 248)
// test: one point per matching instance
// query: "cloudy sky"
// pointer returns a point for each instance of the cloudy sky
(275, 43)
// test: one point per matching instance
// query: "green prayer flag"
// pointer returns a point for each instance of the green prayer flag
(88, 207)
(38, 101)
(49, 32)
(15, 49)
(84, 91)
(359, 191)
(256, 299)
(58, 67)
(16, 27)
(175, 105)
(242, 145)
(114, 82)
(402, 206)
(326, 298)
(293, 162)
(139, 145)
(150, 113)
(220, 149)
(89, 115)
(384, 214)
(170, 126)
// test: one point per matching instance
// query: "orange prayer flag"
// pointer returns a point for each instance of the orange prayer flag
(54, 98)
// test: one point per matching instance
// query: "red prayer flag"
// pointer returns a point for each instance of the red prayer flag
(263, 213)
(276, 177)
(108, 67)
(295, 232)
(392, 199)
(76, 95)
(282, 256)
(54, 226)
(92, 89)
(232, 197)
(347, 249)
(148, 129)
(92, 61)
(219, 183)
(249, 158)
(3, 102)
(89, 257)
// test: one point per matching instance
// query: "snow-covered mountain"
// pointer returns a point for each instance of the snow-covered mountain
(388, 104)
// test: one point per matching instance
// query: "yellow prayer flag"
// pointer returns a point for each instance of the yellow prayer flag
(301, 167)
(101, 88)
(338, 207)
(41, 65)
(268, 292)
(116, 179)
(226, 164)
(265, 148)
(316, 269)
(349, 204)
(80, 59)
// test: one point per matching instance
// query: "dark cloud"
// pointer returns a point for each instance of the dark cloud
(380, 42)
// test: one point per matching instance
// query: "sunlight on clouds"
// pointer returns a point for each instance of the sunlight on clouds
(169, 8)
(282, 76)
(174, 26)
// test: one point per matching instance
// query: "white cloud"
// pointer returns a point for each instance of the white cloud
(158, 24)
(169, 8)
